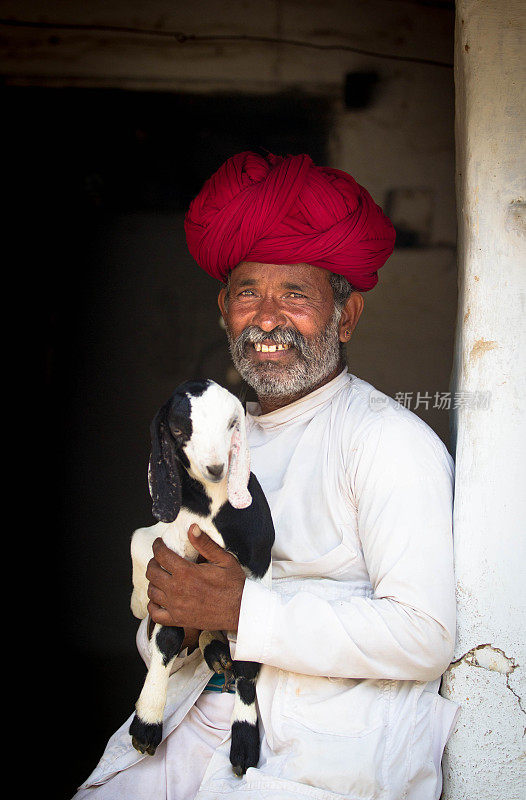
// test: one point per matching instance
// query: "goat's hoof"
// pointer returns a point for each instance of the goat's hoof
(217, 656)
(230, 680)
(146, 736)
(244, 748)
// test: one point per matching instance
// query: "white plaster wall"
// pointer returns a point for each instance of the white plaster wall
(485, 756)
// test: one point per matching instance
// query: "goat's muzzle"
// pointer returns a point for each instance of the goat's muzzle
(215, 472)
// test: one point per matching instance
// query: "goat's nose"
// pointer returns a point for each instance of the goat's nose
(215, 470)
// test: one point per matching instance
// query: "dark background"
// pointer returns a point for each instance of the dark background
(114, 315)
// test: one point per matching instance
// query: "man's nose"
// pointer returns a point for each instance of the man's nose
(269, 314)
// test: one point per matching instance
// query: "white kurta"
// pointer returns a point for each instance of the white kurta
(359, 623)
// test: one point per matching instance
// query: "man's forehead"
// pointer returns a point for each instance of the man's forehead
(290, 276)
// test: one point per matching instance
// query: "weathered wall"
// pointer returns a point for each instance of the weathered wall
(210, 45)
(485, 756)
(400, 145)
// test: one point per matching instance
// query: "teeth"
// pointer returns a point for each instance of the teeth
(270, 348)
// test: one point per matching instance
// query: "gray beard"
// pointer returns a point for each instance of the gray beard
(315, 359)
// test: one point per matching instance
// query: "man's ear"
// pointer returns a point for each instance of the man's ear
(221, 301)
(351, 313)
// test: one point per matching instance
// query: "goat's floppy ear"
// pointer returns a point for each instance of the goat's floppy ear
(239, 467)
(164, 477)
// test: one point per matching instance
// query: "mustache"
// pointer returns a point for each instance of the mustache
(287, 336)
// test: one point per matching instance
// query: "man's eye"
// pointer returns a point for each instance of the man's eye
(295, 295)
(246, 293)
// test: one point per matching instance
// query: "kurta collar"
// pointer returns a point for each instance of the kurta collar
(301, 409)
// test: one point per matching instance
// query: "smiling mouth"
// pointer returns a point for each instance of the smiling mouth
(270, 348)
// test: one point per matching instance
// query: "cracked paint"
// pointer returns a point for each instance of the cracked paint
(489, 657)
(486, 656)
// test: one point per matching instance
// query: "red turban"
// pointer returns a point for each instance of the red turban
(279, 210)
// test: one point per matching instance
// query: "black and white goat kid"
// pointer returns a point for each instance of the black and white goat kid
(199, 473)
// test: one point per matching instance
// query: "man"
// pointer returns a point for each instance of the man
(359, 623)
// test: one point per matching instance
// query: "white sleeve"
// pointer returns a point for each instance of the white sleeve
(402, 485)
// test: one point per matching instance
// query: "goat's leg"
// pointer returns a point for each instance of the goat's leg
(141, 553)
(244, 748)
(216, 652)
(146, 728)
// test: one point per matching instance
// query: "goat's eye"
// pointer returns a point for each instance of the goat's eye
(232, 423)
(176, 431)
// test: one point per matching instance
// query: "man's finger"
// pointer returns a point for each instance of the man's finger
(158, 614)
(165, 557)
(207, 547)
(157, 595)
(156, 574)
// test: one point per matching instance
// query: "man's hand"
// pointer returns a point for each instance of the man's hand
(206, 596)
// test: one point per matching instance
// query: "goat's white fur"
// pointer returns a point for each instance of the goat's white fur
(243, 712)
(213, 442)
(218, 438)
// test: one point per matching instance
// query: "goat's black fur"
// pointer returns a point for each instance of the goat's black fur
(247, 532)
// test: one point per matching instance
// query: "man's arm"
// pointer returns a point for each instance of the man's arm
(403, 491)
(401, 483)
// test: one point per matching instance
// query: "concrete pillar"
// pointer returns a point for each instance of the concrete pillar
(487, 677)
